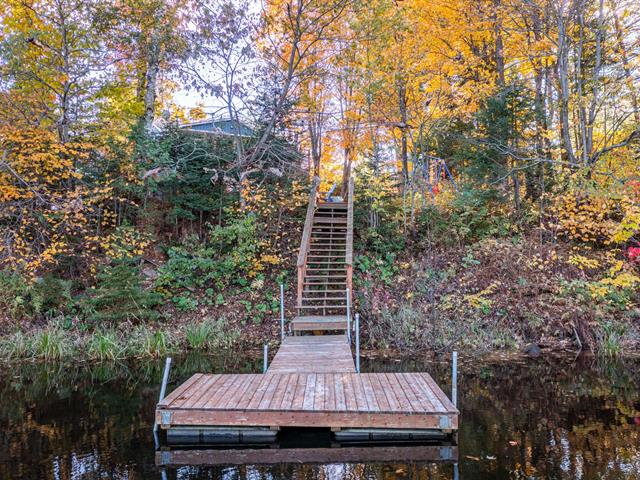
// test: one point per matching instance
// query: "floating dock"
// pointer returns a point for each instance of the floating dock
(313, 381)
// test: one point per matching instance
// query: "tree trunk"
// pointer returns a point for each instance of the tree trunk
(631, 84)
(563, 80)
(402, 104)
(499, 48)
(151, 81)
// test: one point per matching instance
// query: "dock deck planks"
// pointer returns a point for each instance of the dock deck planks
(279, 400)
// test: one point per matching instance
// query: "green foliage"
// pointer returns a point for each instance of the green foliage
(119, 295)
(224, 258)
(473, 215)
(44, 297)
(184, 303)
(382, 267)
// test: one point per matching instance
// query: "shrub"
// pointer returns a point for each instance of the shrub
(119, 295)
(48, 296)
(474, 214)
(227, 256)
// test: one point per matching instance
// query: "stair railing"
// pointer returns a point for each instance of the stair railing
(306, 236)
(349, 247)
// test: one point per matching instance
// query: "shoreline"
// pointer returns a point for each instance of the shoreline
(53, 343)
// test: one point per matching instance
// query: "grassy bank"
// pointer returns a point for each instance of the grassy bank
(54, 342)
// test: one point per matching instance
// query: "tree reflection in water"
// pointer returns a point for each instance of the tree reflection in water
(545, 418)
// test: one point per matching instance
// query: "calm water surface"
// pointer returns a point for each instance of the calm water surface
(543, 418)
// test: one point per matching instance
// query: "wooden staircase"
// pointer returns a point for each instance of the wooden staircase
(325, 264)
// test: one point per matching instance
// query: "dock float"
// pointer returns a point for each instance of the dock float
(313, 381)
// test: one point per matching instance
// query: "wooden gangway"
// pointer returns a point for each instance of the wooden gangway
(312, 381)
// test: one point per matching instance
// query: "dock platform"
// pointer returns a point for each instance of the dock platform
(311, 383)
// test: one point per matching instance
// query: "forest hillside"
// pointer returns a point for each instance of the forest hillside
(156, 157)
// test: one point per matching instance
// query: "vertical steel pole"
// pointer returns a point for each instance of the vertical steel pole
(348, 318)
(358, 342)
(165, 378)
(281, 312)
(454, 379)
(163, 391)
(265, 358)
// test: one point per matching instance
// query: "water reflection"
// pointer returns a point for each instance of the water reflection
(548, 418)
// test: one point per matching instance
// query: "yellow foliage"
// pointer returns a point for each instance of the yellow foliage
(583, 262)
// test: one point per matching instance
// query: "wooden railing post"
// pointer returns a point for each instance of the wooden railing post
(306, 236)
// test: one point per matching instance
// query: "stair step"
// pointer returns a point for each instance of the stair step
(329, 220)
(322, 299)
(319, 307)
(325, 262)
(336, 205)
(319, 322)
(334, 213)
(342, 290)
(325, 276)
(325, 269)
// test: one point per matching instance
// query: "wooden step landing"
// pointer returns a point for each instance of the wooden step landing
(326, 400)
(313, 322)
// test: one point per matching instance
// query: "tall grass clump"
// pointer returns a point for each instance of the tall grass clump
(104, 345)
(198, 336)
(146, 342)
(209, 335)
(14, 346)
(51, 344)
(609, 338)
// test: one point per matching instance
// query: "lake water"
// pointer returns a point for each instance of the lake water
(520, 419)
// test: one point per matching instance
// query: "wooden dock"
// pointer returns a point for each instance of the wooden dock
(312, 382)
